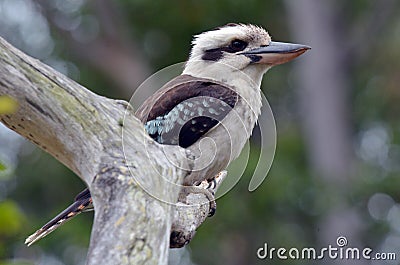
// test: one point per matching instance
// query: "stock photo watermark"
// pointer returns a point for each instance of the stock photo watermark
(341, 250)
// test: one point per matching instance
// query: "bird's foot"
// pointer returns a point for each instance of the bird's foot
(186, 190)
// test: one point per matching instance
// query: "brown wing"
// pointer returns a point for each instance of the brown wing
(185, 109)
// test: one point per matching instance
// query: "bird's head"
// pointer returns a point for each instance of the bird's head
(221, 52)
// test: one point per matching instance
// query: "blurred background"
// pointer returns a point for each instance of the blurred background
(337, 164)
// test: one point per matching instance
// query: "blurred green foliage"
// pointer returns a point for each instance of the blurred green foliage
(11, 218)
(3, 167)
(11, 223)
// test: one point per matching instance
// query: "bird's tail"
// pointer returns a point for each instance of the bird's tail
(82, 203)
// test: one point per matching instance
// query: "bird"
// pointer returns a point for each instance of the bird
(210, 109)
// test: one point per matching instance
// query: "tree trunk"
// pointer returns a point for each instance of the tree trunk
(323, 93)
(101, 140)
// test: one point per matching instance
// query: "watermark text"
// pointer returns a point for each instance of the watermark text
(338, 251)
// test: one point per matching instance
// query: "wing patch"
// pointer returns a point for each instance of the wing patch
(185, 109)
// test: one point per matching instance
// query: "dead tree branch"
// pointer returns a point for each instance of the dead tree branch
(84, 131)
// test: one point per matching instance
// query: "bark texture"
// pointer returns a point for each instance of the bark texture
(105, 145)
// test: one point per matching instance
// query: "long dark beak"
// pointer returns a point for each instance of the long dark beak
(276, 53)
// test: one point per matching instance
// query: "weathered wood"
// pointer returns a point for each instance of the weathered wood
(105, 145)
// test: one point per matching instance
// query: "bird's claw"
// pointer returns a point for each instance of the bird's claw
(212, 209)
(186, 190)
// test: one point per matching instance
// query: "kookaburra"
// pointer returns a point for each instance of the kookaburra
(211, 108)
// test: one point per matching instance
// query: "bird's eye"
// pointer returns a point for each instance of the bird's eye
(237, 45)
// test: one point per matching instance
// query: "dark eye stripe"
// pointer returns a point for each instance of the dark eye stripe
(217, 53)
(213, 54)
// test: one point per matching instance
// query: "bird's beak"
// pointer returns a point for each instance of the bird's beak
(276, 53)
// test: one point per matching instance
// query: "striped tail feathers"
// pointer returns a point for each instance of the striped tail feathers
(82, 203)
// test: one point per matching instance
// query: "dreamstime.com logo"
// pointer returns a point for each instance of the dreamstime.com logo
(339, 251)
(201, 157)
